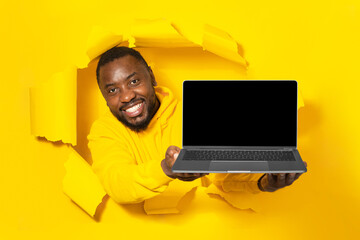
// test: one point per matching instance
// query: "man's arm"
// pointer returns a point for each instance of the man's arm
(123, 178)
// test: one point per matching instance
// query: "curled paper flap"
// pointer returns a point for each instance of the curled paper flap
(53, 107)
(168, 201)
(81, 184)
(213, 40)
(222, 44)
(157, 33)
(101, 40)
(241, 200)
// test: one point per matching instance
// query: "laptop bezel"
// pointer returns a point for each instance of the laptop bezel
(240, 147)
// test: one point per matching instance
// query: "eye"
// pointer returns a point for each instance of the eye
(112, 90)
(134, 82)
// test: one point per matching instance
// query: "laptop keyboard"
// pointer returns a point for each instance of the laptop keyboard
(238, 155)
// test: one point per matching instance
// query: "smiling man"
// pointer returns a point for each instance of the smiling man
(134, 145)
(128, 90)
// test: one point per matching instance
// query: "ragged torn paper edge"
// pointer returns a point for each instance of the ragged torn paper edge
(53, 107)
(81, 184)
(168, 201)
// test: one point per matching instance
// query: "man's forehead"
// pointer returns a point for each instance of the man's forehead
(120, 68)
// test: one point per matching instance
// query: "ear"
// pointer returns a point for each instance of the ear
(153, 81)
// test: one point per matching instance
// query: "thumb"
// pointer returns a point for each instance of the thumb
(176, 155)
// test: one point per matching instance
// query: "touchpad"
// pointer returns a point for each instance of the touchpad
(224, 166)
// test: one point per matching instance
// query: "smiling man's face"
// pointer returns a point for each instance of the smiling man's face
(128, 88)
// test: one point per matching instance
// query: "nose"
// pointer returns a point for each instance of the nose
(127, 95)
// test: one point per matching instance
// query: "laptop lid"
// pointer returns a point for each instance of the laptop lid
(240, 113)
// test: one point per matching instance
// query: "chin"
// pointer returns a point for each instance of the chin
(136, 127)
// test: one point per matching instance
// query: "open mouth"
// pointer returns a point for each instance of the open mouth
(134, 110)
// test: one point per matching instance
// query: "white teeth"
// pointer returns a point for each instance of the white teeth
(134, 108)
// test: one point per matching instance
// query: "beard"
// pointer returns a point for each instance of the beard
(142, 125)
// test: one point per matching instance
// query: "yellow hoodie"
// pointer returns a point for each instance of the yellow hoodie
(128, 163)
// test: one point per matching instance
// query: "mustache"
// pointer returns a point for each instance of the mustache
(132, 102)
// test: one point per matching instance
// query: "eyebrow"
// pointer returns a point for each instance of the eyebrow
(111, 84)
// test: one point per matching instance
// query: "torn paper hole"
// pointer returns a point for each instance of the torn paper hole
(59, 123)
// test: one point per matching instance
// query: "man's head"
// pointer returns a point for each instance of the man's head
(127, 84)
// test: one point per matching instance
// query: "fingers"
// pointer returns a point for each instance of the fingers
(271, 179)
(297, 175)
(173, 152)
(189, 176)
(281, 179)
(290, 178)
(187, 179)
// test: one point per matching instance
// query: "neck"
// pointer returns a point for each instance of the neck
(157, 106)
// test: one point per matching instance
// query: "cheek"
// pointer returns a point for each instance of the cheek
(148, 92)
(142, 91)
(112, 103)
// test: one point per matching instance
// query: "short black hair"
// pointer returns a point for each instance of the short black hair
(115, 53)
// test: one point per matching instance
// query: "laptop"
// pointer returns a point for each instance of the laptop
(239, 126)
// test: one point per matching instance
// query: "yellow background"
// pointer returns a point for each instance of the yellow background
(316, 43)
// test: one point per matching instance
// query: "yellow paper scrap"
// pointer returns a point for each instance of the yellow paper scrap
(213, 40)
(53, 107)
(158, 33)
(168, 201)
(222, 44)
(193, 31)
(81, 184)
(100, 39)
(242, 200)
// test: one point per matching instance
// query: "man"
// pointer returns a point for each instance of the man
(134, 145)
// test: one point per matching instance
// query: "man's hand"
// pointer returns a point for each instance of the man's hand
(170, 157)
(272, 182)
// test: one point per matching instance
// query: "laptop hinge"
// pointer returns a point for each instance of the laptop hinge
(237, 147)
(289, 148)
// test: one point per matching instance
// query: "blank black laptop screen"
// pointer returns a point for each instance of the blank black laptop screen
(239, 113)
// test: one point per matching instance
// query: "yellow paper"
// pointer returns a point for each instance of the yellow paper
(99, 41)
(157, 33)
(242, 200)
(168, 201)
(222, 44)
(300, 100)
(213, 40)
(81, 184)
(53, 107)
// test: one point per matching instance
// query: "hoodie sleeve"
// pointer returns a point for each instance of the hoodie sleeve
(122, 177)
